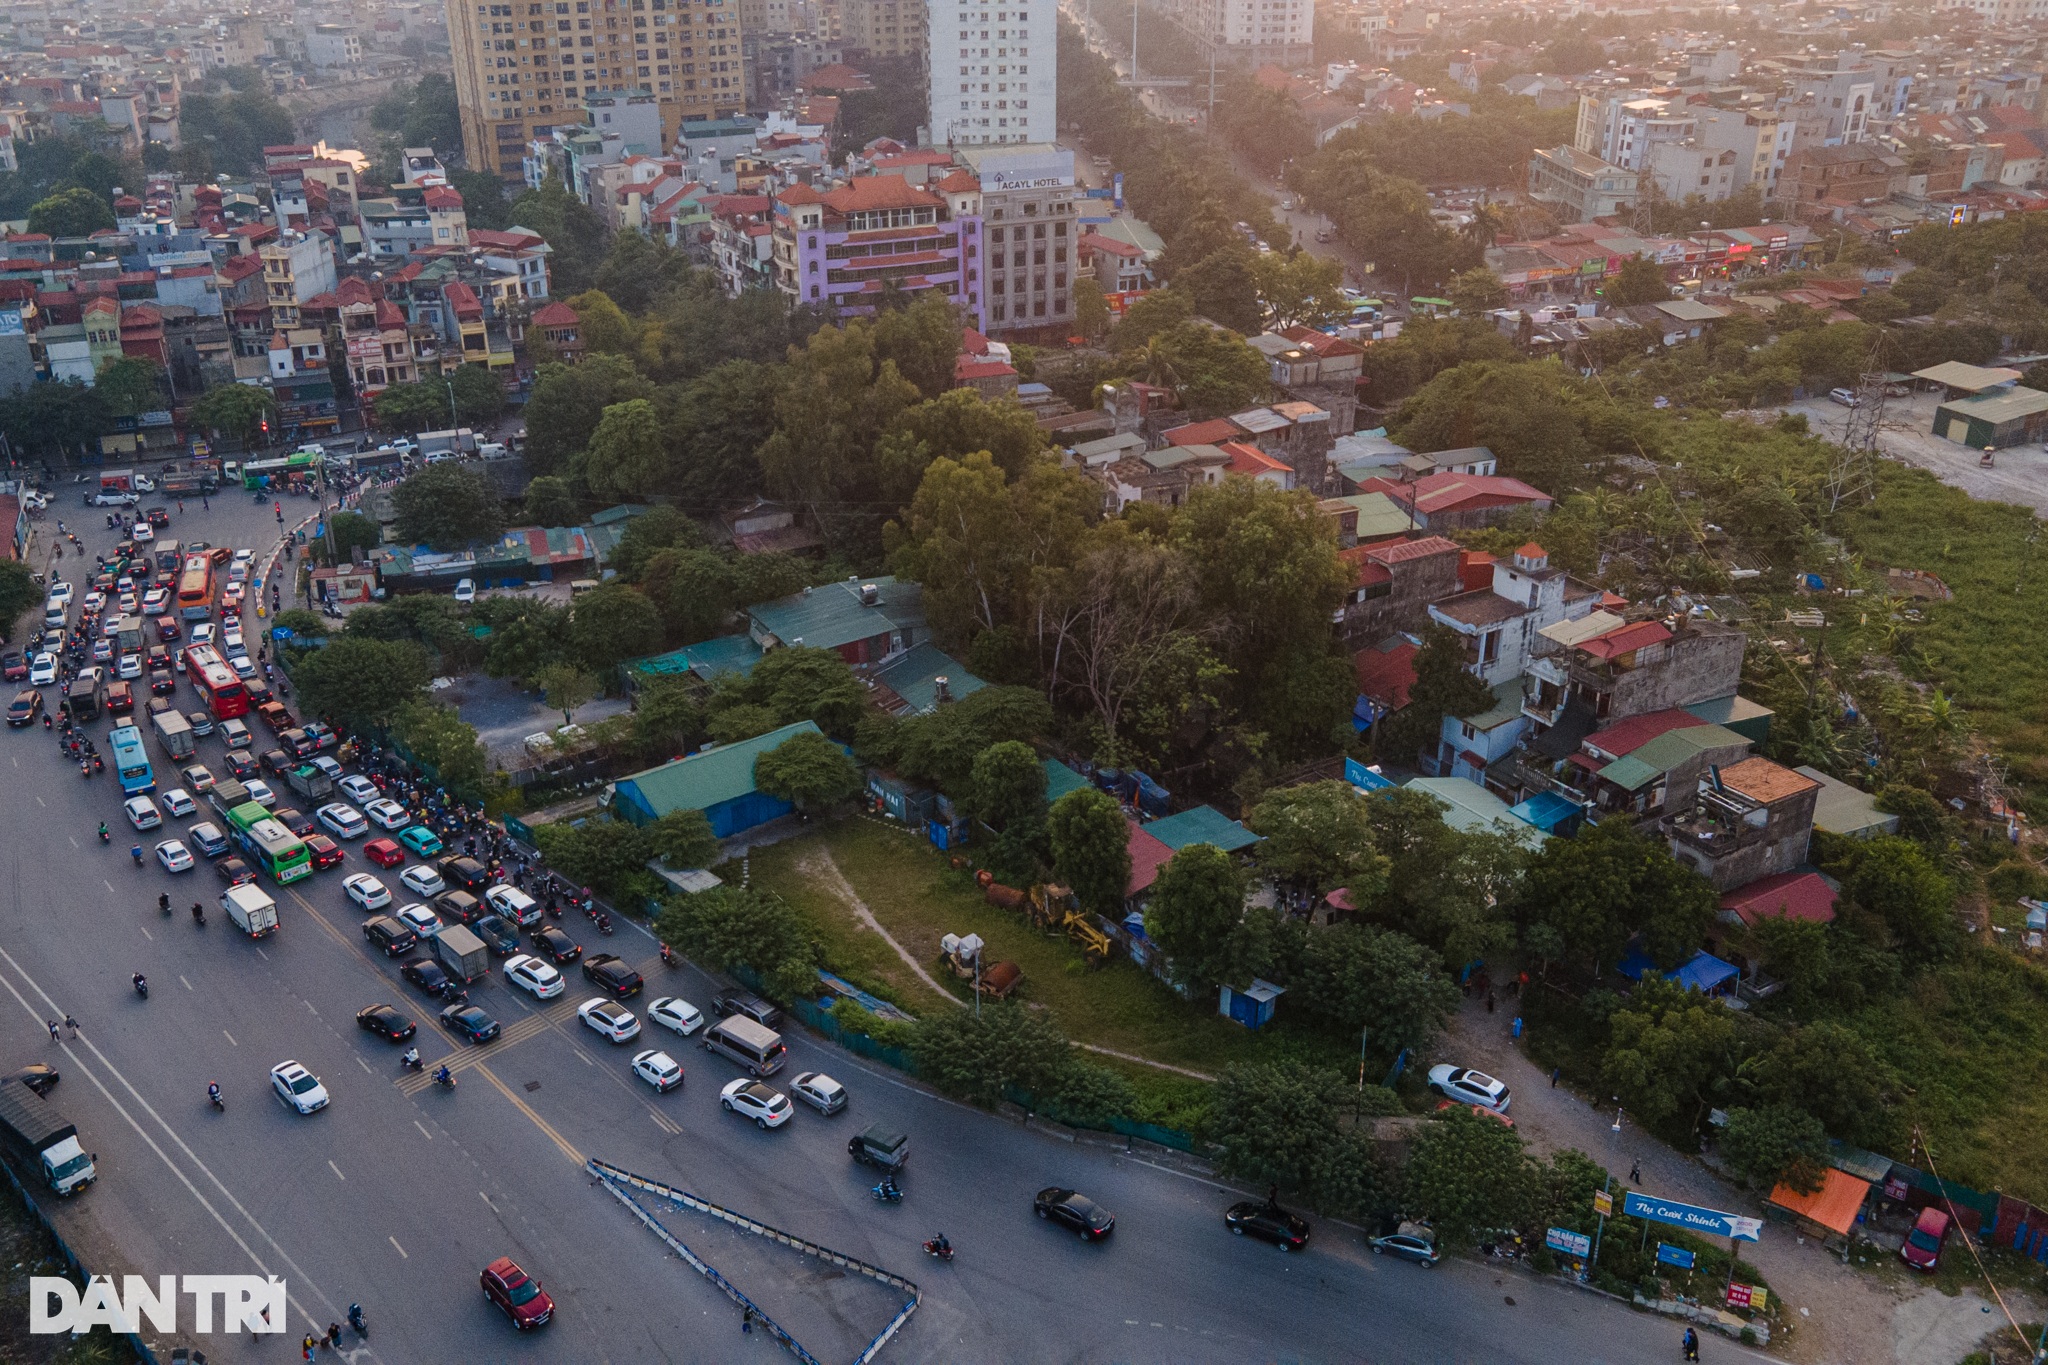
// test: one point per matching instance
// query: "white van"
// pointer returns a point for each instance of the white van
(758, 1049)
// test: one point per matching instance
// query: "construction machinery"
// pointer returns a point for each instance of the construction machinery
(963, 955)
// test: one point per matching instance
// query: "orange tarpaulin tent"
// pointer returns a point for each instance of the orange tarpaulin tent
(1833, 1206)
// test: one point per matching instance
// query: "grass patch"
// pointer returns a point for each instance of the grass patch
(917, 897)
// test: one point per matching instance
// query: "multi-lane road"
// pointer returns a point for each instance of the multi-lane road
(396, 1194)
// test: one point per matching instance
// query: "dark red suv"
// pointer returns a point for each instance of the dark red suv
(517, 1293)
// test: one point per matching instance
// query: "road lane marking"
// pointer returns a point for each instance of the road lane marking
(337, 1171)
(74, 842)
(487, 1200)
(265, 956)
(107, 884)
(183, 982)
(145, 932)
(230, 1037)
(309, 1005)
(423, 1130)
(567, 1147)
(401, 1250)
(365, 1066)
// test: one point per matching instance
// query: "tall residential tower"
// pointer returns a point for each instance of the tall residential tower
(993, 70)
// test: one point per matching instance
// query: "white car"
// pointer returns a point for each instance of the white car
(94, 600)
(765, 1105)
(609, 1018)
(155, 601)
(128, 605)
(231, 640)
(238, 572)
(420, 919)
(43, 671)
(326, 765)
(674, 1012)
(242, 555)
(142, 531)
(819, 1091)
(60, 593)
(129, 668)
(514, 904)
(422, 880)
(244, 669)
(260, 792)
(142, 812)
(658, 1069)
(202, 634)
(366, 891)
(388, 814)
(358, 789)
(532, 974)
(175, 857)
(465, 591)
(298, 1088)
(110, 497)
(343, 820)
(1470, 1087)
(175, 802)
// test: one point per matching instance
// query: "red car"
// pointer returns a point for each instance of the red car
(384, 852)
(517, 1293)
(1922, 1248)
(326, 853)
(168, 628)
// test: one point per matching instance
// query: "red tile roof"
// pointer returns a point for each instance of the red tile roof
(1400, 551)
(968, 367)
(1437, 493)
(1148, 855)
(462, 299)
(872, 193)
(1626, 736)
(1789, 895)
(1386, 671)
(959, 182)
(1249, 460)
(1625, 639)
(1215, 431)
(556, 314)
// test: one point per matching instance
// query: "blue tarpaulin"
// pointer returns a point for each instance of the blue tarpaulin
(1549, 812)
(1704, 973)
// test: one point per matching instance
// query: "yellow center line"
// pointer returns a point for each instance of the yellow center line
(567, 1147)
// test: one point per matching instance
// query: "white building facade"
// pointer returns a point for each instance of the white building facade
(993, 72)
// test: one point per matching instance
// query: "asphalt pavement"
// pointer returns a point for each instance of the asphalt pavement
(396, 1194)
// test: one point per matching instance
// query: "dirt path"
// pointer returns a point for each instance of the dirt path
(1847, 1317)
(818, 864)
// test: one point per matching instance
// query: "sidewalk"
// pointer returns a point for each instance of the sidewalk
(1849, 1317)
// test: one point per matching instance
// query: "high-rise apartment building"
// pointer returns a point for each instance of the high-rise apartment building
(884, 28)
(523, 68)
(1247, 32)
(993, 69)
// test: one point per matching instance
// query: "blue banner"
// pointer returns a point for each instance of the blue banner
(1671, 1255)
(1569, 1242)
(1118, 186)
(1691, 1217)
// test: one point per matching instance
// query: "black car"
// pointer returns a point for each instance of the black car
(242, 764)
(158, 517)
(37, 1076)
(295, 820)
(464, 874)
(234, 871)
(610, 974)
(425, 973)
(162, 682)
(26, 706)
(390, 935)
(500, 937)
(458, 907)
(276, 762)
(471, 1022)
(1076, 1211)
(1268, 1222)
(297, 741)
(326, 853)
(556, 944)
(752, 1006)
(385, 1022)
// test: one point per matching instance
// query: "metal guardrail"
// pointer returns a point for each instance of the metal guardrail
(616, 1180)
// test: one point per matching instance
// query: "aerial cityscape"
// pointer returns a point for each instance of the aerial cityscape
(986, 680)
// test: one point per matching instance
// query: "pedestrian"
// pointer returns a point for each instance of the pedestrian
(334, 1335)
(747, 1321)
(1489, 1001)
(71, 1024)
(53, 1032)
(181, 507)
(204, 505)
(1553, 1076)
(306, 1348)
(1635, 1171)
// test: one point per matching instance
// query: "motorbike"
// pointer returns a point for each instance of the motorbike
(136, 854)
(668, 956)
(105, 837)
(163, 904)
(410, 1060)
(199, 914)
(219, 1105)
(444, 1078)
(938, 1250)
(603, 922)
(355, 1320)
(141, 986)
(887, 1192)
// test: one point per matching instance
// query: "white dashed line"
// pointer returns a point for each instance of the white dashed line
(401, 1250)
(365, 1066)
(230, 1037)
(423, 1130)
(146, 934)
(186, 984)
(487, 1199)
(265, 956)
(337, 1171)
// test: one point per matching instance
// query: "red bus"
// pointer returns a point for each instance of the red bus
(210, 676)
(195, 588)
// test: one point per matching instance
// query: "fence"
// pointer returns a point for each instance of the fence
(134, 1339)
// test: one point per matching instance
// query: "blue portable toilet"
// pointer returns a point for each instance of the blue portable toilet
(1252, 1006)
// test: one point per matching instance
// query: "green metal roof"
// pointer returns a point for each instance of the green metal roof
(707, 658)
(1846, 810)
(1474, 808)
(1999, 405)
(1666, 752)
(1379, 516)
(1060, 779)
(913, 676)
(831, 616)
(1201, 825)
(1507, 704)
(709, 778)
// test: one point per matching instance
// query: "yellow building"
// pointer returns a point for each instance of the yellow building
(523, 68)
(884, 28)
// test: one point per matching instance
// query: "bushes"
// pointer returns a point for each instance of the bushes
(728, 928)
(983, 1058)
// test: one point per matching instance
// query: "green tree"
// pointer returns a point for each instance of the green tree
(1588, 895)
(729, 927)
(1536, 417)
(658, 528)
(549, 502)
(1218, 372)
(603, 325)
(809, 771)
(304, 625)
(73, 212)
(1225, 287)
(1148, 316)
(567, 402)
(1476, 291)
(1895, 880)
(733, 724)
(799, 682)
(353, 532)
(235, 117)
(18, 592)
(1445, 887)
(683, 839)
(1670, 1050)
(446, 745)
(1640, 280)
(1376, 979)
(448, 506)
(1275, 1122)
(625, 457)
(608, 855)
(413, 407)
(483, 199)
(479, 394)
(922, 342)
(940, 746)
(1007, 786)
(131, 385)
(667, 717)
(719, 420)
(1443, 686)
(1774, 1144)
(981, 1056)
(1091, 310)
(566, 687)
(611, 624)
(1468, 1174)
(1319, 836)
(1196, 916)
(839, 396)
(361, 683)
(235, 411)
(1301, 288)
(574, 233)
(1091, 847)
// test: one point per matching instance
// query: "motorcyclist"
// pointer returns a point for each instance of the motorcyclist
(141, 985)
(163, 902)
(198, 913)
(442, 1076)
(136, 854)
(103, 831)
(941, 1246)
(410, 1058)
(213, 1093)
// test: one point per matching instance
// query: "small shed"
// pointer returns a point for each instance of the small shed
(1997, 417)
(1848, 811)
(718, 781)
(1828, 1213)
(900, 800)
(1252, 1006)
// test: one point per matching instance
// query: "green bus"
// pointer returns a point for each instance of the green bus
(274, 472)
(273, 850)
